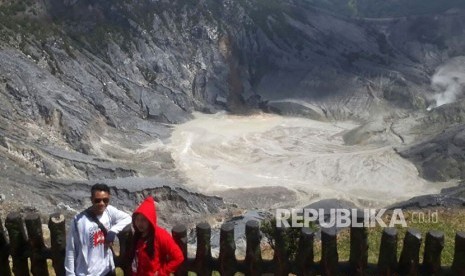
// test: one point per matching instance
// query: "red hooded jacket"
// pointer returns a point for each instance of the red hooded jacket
(167, 256)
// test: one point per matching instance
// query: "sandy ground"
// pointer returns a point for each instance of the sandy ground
(271, 161)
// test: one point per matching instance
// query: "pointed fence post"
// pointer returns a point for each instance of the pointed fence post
(4, 252)
(304, 260)
(179, 233)
(281, 254)
(37, 245)
(227, 259)
(253, 257)
(203, 257)
(358, 259)
(409, 258)
(329, 255)
(387, 261)
(458, 266)
(18, 243)
(56, 224)
(434, 244)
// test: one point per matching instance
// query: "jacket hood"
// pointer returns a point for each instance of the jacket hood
(147, 209)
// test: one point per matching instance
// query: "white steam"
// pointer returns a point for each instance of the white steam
(449, 82)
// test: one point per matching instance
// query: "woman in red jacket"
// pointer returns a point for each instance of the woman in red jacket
(154, 252)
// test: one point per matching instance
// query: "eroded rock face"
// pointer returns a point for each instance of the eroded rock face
(89, 89)
(442, 157)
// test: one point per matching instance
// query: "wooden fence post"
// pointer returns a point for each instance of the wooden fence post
(227, 259)
(434, 244)
(253, 256)
(409, 258)
(387, 261)
(304, 258)
(329, 255)
(18, 244)
(179, 233)
(56, 224)
(21, 248)
(281, 255)
(458, 266)
(4, 253)
(358, 259)
(37, 245)
(203, 257)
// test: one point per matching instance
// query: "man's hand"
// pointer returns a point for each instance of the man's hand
(110, 238)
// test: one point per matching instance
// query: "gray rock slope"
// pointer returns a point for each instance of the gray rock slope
(89, 89)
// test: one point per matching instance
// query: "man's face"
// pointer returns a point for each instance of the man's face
(100, 200)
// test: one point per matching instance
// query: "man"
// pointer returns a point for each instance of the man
(91, 234)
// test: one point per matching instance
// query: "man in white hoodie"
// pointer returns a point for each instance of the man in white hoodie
(91, 234)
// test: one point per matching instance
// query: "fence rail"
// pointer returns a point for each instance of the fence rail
(26, 244)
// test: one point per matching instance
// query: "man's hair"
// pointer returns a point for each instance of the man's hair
(99, 187)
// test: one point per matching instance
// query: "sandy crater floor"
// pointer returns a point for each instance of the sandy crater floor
(270, 161)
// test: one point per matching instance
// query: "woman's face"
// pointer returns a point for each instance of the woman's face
(142, 224)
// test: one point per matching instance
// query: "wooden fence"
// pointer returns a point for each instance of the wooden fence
(27, 244)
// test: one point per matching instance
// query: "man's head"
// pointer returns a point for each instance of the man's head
(100, 197)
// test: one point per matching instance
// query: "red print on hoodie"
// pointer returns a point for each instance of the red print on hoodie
(167, 256)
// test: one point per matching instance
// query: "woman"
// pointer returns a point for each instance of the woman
(154, 252)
